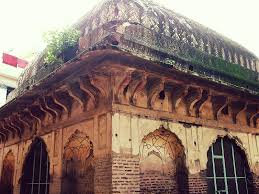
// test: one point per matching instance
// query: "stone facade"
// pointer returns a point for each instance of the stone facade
(111, 121)
(130, 135)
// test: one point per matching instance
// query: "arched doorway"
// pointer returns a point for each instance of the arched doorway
(162, 163)
(6, 183)
(35, 174)
(227, 168)
(78, 170)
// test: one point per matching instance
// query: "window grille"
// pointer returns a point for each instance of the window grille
(227, 169)
(35, 177)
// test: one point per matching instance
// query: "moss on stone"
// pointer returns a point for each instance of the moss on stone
(222, 66)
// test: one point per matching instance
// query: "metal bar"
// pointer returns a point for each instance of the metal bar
(224, 167)
(37, 183)
(47, 176)
(40, 167)
(214, 172)
(234, 165)
(229, 177)
(246, 181)
(218, 157)
(33, 167)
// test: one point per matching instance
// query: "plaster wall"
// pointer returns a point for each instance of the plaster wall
(129, 130)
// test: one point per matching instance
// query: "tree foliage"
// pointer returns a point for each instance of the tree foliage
(57, 42)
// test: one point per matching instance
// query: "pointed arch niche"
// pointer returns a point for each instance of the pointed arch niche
(77, 167)
(227, 168)
(35, 173)
(162, 163)
(6, 182)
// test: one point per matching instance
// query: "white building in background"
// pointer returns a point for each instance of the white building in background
(9, 74)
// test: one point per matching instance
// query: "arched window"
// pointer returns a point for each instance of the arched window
(162, 163)
(78, 170)
(35, 174)
(227, 169)
(6, 183)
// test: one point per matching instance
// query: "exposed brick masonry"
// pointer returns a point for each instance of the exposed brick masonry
(102, 176)
(125, 174)
(197, 183)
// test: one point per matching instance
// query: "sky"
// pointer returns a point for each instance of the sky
(24, 21)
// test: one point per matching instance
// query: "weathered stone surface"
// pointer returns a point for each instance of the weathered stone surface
(123, 122)
(155, 33)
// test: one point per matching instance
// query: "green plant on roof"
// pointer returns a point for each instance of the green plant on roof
(58, 41)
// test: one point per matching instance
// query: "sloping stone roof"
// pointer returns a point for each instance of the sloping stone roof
(144, 28)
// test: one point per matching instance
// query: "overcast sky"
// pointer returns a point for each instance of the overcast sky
(23, 21)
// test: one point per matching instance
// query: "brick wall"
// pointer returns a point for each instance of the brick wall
(55, 186)
(102, 175)
(125, 174)
(128, 178)
(198, 183)
(157, 182)
(16, 189)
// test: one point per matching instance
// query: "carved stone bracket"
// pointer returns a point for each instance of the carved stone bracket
(34, 117)
(154, 88)
(121, 85)
(90, 90)
(48, 109)
(193, 96)
(61, 100)
(137, 89)
(56, 108)
(236, 107)
(102, 84)
(77, 95)
(195, 109)
(218, 104)
(7, 127)
(177, 95)
(251, 112)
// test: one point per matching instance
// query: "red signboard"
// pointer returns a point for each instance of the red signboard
(14, 61)
(9, 59)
